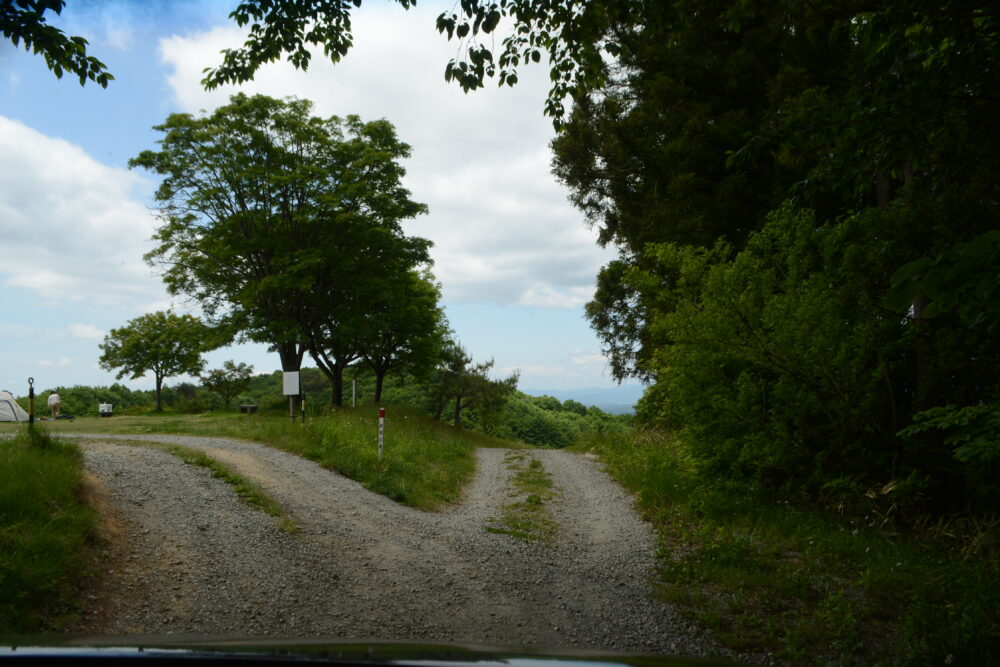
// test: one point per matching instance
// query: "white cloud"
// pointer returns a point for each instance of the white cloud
(502, 228)
(575, 368)
(546, 296)
(110, 23)
(72, 229)
(588, 359)
(85, 332)
(64, 361)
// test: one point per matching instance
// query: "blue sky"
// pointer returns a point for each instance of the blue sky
(515, 260)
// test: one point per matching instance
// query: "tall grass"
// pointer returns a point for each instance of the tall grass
(45, 530)
(806, 581)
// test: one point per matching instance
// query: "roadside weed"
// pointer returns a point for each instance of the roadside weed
(526, 518)
(811, 585)
(247, 491)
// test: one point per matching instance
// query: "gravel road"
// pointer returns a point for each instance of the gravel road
(187, 558)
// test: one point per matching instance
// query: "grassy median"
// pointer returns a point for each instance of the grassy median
(45, 531)
(426, 463)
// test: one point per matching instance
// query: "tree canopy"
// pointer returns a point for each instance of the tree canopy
(274, 219)
(404, 327)
(23, 22)
(574, 36)
(162, 343)
(228, 381)
(804, 198)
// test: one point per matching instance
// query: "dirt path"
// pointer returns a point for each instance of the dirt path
(193, 560)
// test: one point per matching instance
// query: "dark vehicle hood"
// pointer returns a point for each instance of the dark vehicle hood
(79, 651)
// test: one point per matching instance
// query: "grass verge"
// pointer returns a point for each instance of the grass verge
(527, 518)
(46, 531)
(426, 463)
(810, 584)
(247, 491)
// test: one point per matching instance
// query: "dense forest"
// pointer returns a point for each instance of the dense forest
(805, 201)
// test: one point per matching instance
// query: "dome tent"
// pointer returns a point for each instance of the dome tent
(10, 411)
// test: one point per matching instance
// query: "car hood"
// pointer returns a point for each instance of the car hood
(85, 650)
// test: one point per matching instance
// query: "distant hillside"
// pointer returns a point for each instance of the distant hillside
(615, 400)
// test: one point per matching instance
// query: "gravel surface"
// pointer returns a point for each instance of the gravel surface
(187, 558)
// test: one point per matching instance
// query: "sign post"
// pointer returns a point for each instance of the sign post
(381, 432)
(290, 388)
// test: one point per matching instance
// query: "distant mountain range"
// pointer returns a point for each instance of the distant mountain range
(616, 400)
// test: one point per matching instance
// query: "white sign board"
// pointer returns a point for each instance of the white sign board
(290, 383)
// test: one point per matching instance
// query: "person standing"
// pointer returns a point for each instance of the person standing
(54, 403)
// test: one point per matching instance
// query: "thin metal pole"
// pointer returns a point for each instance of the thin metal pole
(31, 402)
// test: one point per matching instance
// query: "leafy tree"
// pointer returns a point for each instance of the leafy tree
(404, 328)
(23, 21)
(573, 35)
(550, 403)
(716, 116)
(356, 313)
(466, 385)
(721, 111)
(472, 387)
(267, 209)
(492, 400)
(229, 381)
(447, 381)
(162, 343)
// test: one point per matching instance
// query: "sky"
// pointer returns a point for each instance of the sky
(515, 260)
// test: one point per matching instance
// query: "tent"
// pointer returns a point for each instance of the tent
(10, 411)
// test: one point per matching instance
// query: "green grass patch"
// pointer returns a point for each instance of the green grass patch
(46, 531)
(806, 582)
(247, 491)
(527, 518)
(426, 463)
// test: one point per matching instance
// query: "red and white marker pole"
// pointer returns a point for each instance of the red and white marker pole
(381, 431)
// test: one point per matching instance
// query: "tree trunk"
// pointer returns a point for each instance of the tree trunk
(159, 386)
(334, 372)
(291, 355)
(458, 411)
(337, 385)
(379, 380)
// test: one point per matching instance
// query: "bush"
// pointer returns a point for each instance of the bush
(781, 368)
